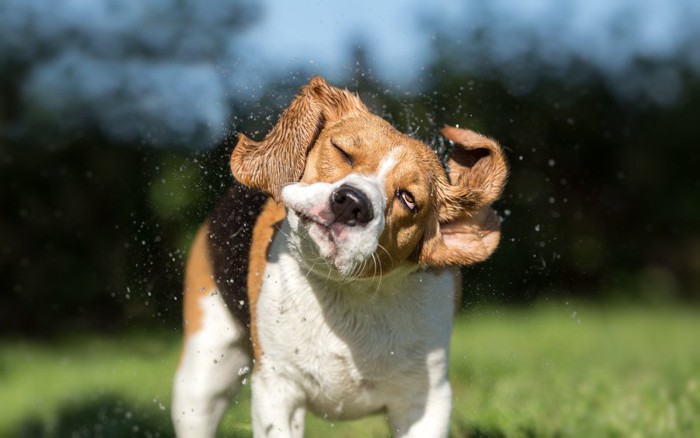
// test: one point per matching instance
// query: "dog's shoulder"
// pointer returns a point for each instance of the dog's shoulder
(230, 234)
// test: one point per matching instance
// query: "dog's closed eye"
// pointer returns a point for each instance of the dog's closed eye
(346, 156)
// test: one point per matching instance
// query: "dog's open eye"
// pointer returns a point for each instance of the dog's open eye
(407, 200)
(347, 157)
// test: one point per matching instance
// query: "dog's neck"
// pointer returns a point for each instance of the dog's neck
(381, 285)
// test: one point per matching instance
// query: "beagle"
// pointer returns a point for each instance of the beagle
(331, 274)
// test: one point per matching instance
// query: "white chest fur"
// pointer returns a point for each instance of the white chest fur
(348, 350)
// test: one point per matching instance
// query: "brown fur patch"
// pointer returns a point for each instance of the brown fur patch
(280, 158)
(199, 281)
(263, 232)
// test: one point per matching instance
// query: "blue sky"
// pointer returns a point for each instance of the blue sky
(166, 72)
(398, 35)
(319, 34)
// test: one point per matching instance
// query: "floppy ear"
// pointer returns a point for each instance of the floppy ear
(465, 228)
(280, 158)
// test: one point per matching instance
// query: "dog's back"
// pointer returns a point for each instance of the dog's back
(230, 236)
(216, 311)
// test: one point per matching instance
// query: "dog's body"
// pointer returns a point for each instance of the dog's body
(345, 288)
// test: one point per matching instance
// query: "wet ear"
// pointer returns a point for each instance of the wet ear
(477, 172)
(465, 228)
(280, 158)
(462, 241)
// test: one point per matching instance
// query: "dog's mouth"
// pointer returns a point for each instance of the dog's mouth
(307, 221)
(335, 244)
(329, 230)
(321, 234)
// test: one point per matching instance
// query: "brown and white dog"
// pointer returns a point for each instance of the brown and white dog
(339, 288)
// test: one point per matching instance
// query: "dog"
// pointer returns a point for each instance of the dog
(331, 273)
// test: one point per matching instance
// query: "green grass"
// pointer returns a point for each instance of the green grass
(548, 371)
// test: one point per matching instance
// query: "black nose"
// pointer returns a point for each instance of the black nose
(350, 206)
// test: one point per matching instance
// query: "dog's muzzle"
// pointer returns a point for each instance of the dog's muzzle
(350, 206)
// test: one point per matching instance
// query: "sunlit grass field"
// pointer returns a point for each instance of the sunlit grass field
(567, 370)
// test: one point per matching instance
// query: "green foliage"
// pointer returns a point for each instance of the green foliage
(88, 385)
(567, 370)
(577, 371)
(93, 235)
(602, 197)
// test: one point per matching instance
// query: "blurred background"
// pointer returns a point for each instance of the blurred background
(117, 119)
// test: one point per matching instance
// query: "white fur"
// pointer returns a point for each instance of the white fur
(353, 349)
(387, 164)
(214, 361)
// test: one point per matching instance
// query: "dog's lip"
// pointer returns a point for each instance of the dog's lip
(326, 233)
(308, 218)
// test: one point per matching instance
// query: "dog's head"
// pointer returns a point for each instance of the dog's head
(364, 199)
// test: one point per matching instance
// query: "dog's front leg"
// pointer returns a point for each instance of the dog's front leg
(423, 417)
(213, 363)
(278, 405)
